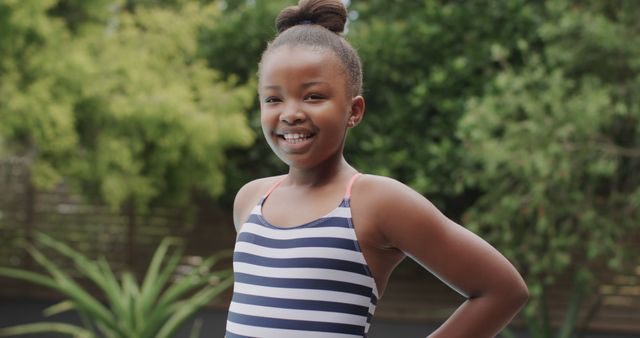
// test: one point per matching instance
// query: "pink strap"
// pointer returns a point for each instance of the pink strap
(274, 186)
(353, 179)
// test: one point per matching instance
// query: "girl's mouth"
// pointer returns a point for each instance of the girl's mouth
(295, 137)
(295, 141)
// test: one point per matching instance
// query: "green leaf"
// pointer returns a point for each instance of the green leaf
(189, 308)
(85, 266)
(167, 303)
(131, 294)
(82, 299)
(156, 279)
(44, 327)
(111, 286)
(60, 307)
(29, 276)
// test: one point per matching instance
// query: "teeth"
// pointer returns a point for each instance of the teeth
(295, 137)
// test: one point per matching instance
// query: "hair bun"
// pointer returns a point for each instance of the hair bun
(330, 14)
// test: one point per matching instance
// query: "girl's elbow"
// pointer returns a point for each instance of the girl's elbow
(524, 296)
(520, 294)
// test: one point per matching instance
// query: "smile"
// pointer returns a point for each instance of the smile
(295, 137)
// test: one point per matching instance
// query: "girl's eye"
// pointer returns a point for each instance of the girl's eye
(313, 97)
(271, 99)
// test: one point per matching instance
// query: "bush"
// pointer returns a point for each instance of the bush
(154, 309)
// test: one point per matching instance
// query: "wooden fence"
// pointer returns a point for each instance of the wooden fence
(129, 240)
(125, 239)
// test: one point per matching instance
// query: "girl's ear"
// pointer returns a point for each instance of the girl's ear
(357, 111)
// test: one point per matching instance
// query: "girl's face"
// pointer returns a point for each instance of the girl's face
(305, 105)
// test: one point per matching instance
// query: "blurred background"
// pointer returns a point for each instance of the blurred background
(123, 123)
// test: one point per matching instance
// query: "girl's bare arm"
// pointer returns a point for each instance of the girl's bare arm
(494, 289)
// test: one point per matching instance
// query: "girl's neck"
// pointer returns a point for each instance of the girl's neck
(327, 172)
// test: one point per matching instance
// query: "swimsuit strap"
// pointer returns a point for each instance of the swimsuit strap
(273, 187)
(347, 195)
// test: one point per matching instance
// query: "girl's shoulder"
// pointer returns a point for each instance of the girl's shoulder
(249, 195)
(259, 186)
(382, 200)
(381, 189)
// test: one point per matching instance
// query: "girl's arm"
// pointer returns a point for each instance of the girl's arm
(494, 289)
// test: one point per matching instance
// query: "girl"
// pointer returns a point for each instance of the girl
(316, 246)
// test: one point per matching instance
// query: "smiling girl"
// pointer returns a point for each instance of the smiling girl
(315, 247)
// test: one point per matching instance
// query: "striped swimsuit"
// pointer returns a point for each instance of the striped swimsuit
(309, 280)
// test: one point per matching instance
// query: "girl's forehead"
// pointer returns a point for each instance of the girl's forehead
(299, 59)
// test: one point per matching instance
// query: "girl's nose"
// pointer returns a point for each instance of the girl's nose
(292, 114)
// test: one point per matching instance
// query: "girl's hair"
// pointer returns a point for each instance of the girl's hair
(317, 24)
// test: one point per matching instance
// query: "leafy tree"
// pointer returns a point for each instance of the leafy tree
(233, 46)
(422, 61)
(555, 149)
(116, 99)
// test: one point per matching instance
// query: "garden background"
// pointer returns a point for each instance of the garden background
(124, 122)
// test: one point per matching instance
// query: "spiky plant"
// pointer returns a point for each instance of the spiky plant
(156, 308)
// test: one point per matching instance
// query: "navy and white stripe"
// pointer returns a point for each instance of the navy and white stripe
(306, 281)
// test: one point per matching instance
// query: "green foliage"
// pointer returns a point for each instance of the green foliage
(246, 29)
(554, 147)
(154, 309)
(118, 102)
(422, 61)
(537, 165)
